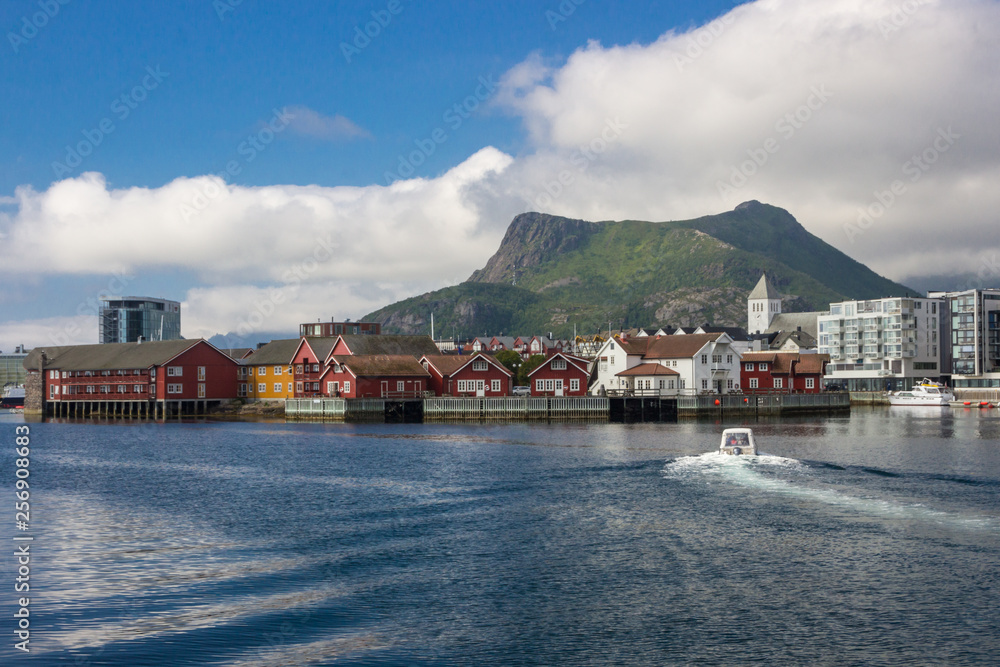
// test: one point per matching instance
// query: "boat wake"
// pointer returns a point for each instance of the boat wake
(798, 480)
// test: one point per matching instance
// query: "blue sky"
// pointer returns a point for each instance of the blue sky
(226, 67)
(232, 156)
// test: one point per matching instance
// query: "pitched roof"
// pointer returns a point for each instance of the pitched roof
(108, 356)
(415, 346)
(678, 347)
(449, 364)
(274, 353)
(649, 368)
(800, 338)
(238, 352)
(369, 365)
(320, 345)
(764, 290)
(795, 321)
(577, 362)
(736, 333)
(811, 363)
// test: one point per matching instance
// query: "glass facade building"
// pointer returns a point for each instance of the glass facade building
(125, 319)
(12, 367)
(974, 336)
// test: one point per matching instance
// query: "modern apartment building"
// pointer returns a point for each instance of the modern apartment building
(972, 330)
(881, 343)
(124, 319)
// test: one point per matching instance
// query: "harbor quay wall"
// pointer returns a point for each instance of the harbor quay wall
(614, 409)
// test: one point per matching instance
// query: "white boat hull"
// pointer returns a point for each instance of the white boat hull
(920, 400)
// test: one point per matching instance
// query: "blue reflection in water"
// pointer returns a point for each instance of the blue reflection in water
(873, 539)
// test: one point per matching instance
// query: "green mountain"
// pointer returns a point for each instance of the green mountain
(551, 273)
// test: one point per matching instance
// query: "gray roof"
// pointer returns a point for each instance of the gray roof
(275, 353)
(794, 321)
(109, 356)
(237, 352)
(801, 338)
(415, 346)
(736, 333)
(323, 345)
(764, 290)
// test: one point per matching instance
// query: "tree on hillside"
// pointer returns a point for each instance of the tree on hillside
(529, 365)
(510, 359)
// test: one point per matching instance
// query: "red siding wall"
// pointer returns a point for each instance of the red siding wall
(545, 372)
(467, 375)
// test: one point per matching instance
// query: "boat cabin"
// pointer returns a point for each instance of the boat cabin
(737, 441)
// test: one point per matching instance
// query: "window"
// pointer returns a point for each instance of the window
(674, 363)
(315, 368)
(539, 385)
(201, 373)
(704, 358)
(559, 364)
(495, 386)
(261, 388)
(480, 385)
(175, 388)
(277, 387)
(549, 385)
(400, 385)
(121, 389)
(729, 358)
(670, 384)
(461, 386)
(137, 389)
(810, 383)
(277, 370)
(778, 383)
(753, 383)
(480, 365)
(729, 384)
(682, 383)
(298, 369)
(175, 371)
(559, 384)
(762, 366)
(241, 389)
(716, 358)
(201, 390)
(704, 384)
(748, 366)
(90, 389)
(298, 387)
(347, 386)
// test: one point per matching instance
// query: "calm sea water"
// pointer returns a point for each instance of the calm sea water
(867, 540)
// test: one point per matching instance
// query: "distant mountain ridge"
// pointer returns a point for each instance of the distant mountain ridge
(550, 273)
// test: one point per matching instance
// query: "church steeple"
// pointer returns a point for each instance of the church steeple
(763, 304)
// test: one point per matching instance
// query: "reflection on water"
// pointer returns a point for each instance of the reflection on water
(873, 539)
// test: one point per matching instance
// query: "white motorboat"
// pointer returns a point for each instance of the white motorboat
(924, 392)
(738, 441)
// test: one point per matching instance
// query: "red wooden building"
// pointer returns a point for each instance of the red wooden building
(560, 375)
(374, 376)
(476, 375)
(138, 378)
(787, 372)
(309, 364)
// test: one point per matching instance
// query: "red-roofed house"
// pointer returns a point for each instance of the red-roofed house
(560, 375)
(782, 372)
(459, 375)
(374, 376)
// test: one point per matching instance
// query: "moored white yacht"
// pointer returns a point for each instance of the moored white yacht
(924, 392)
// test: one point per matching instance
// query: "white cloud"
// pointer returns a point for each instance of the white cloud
(817, 106)
(73, 330)
(311, 123)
